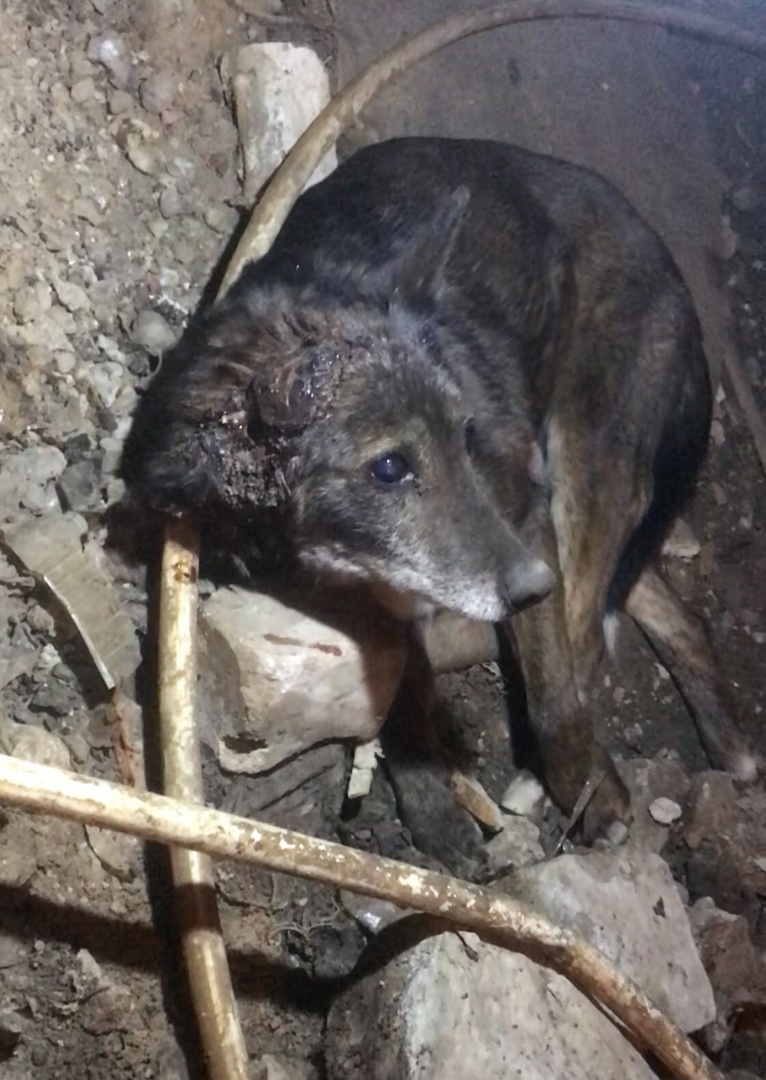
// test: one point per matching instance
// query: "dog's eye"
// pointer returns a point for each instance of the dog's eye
(391, 468)
(469, 435)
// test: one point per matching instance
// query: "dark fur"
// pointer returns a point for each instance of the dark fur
(425, 286)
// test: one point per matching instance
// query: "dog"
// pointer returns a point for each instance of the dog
(472, 377)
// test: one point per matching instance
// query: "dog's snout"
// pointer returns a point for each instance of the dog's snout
(526, 583)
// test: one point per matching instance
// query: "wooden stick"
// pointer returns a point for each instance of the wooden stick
(515, 924)
(204, 951)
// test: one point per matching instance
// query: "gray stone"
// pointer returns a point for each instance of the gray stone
(26, 479)
(80, 486)
(158, 91)
(40, 746)
(279, 89)
(451, 1007)
(628, 906)
(152, 332)
(292, 677)
(737, 970)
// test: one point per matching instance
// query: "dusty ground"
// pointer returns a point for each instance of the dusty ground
(119, 190)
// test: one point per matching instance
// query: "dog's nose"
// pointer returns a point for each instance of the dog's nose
(527, 582)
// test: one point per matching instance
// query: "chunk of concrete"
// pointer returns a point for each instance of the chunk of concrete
(452, 1007)
(277, 679)
(278, 89)
(628, 906)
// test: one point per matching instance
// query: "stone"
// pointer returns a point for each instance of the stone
(18, 858)
(737, 970)
(27, 480)
(72, 296)
(652, 781)
(518, 844)
(279, 89)
(524, 796)
(80, 486)
(118, 853)
(170, 202)
(152, 332)
(158, 91)
(40, 746)
(453, 1007)
(292, 677)
(665, 811)
(628, 906)
(726, 832)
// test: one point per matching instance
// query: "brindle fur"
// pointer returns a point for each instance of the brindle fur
(509, 325)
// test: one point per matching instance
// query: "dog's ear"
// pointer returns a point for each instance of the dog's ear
(297, 391)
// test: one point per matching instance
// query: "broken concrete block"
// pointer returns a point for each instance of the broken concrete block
(628, 906)
(291, 678)
(452, 1007)
(278, 89)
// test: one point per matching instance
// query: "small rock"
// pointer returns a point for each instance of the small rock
(15, 662)
(220, 219)
(118, 853)
(111, 51)
(83, 91)
(273, 1068)
(65, 361)
(372, 915)
(109, 1009)
(12, 951)
(73, 297)
(31, 302)
(119, 102)
(40, 746)
(152, 332)
(80, 486)
(27, 479)
(18, 858)
(665, 811)
(170, 203)
(107, 380)
(40, 620)
(518, 844)
(524, 796)
(11, 1032)
(158, 91)
(141, 155)
(79, 747)
(87, 210)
